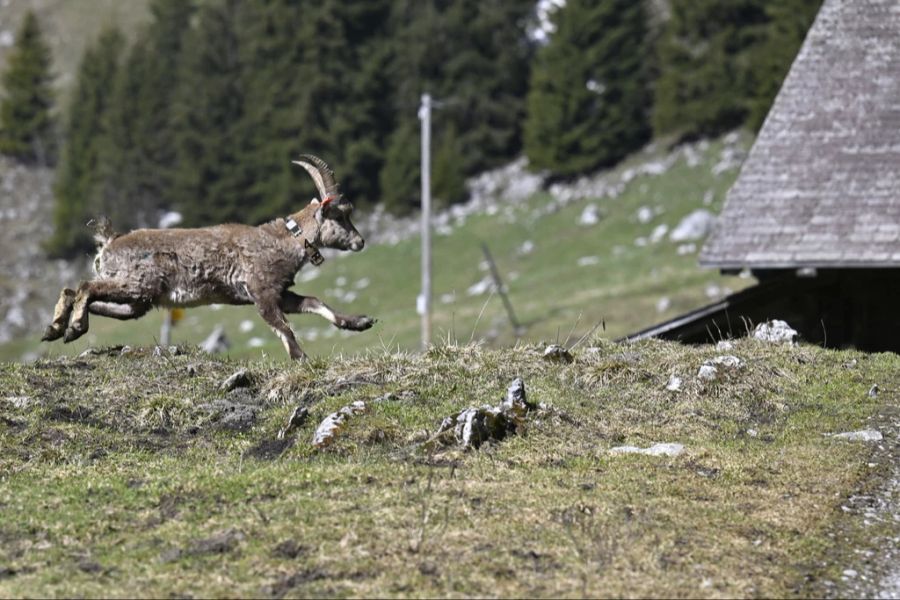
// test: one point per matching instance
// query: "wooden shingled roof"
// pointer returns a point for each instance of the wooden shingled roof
(821, 185)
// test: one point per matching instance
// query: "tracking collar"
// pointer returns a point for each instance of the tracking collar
(315, 257)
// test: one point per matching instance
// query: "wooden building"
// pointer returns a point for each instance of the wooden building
(815, 211)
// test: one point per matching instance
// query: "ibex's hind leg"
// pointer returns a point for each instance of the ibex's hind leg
(294, 303)
(57, 327)
(272, 314)
(119, 310)
(104, 291)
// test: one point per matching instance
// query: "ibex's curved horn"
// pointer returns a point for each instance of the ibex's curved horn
(321, 174)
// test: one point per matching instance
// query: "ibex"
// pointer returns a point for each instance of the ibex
(224, 264)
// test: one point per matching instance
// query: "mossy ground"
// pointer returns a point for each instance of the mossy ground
(118, 476)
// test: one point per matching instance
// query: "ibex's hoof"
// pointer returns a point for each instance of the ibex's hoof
(72, 335)
(51, 333)
(359, 323)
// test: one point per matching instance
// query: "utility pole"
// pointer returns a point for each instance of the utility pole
(424, 303)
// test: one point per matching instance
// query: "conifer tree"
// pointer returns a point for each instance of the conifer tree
(27, 129)
(473, 57)
(209, 178)
(706, 60)
(399, 178)
(787, 27)
(313, 80)
(77, 176)
(118, 193)
(588, 103)
(138, 147)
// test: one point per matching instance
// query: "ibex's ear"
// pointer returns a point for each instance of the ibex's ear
(319, 213)
(314, 202)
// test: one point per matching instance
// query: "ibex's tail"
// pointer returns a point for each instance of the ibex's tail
(103, 231)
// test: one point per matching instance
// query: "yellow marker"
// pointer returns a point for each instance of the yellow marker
(177, 315)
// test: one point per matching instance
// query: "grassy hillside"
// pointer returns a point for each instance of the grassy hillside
(574, 277)
(136, 475)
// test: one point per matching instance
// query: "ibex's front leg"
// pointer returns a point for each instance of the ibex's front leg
(293, 303)
(57, 327)
(271, 312)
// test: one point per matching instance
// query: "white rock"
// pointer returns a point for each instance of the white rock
(645, 215)
(694, 226)
(724, 345)
(689, 248)
(671, 449)
(246, 325)
(170, 219)
(480, 287)
(18, 401)
(663, 304)
(589, 216)
(256, 342)
(659, 232)
(448, 298)
(712, 291)
(727, 360)
(674, 383)
(362, 283)
(866, 435)
(775, 332)
(526, 248)
(557, 353)
(332, 425)
(707, 372)
(587, 261)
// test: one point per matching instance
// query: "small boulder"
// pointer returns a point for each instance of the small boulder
(775, 332)
(556, 353)
(674, 383)
(334, 423)
(707, 372)
(694, 226)
(589, 216)
(472, 427)
(727, 360)
(297, 419)
(866, 435)
(710, 369)
(669, 449)
(238, 379)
